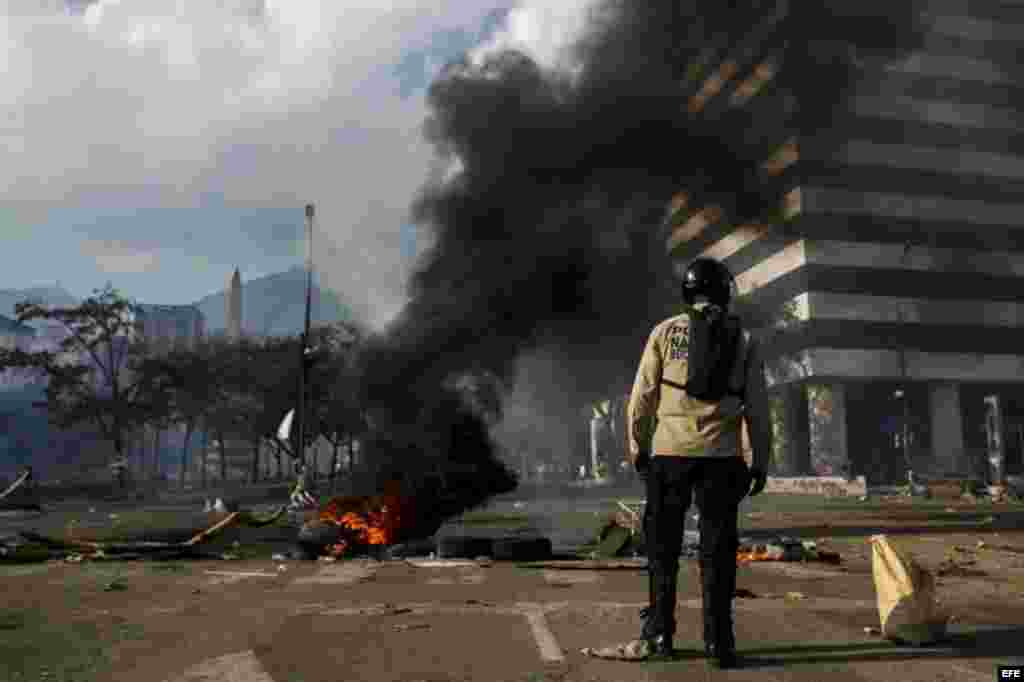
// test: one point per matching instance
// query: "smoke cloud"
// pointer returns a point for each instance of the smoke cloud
(547, 231)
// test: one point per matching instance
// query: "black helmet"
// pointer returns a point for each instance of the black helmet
(707, 277)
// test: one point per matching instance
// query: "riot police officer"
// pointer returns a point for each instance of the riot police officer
(700, 377)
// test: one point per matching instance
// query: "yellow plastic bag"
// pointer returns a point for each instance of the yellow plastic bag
(906, 596)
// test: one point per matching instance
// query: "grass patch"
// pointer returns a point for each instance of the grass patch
(28, 553)
(169, 567)
(33, 648)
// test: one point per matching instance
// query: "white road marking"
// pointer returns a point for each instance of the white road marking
(338, 574)
(242, 666)
(243, 574)
(970, 673)
(546, 642)
(442, 563)
(570, 577)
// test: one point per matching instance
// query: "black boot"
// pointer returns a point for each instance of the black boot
(658, 617)
(719, 640)
(722, 657)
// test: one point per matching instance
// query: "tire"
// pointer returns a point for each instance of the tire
(413, 549)
(458, 547)
(522, 549)
(314, 536)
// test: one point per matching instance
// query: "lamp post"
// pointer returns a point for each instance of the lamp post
(303, 349)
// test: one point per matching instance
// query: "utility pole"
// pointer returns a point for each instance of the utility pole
(303, 349)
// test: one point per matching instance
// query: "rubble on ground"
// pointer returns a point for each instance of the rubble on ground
(31, 546)
(621, 536)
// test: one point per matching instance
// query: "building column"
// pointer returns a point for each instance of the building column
(796, 446)
(948, 445)
(829, 441)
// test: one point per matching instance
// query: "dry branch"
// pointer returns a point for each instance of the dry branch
(143, 548)
(17, 484)
(219, 526)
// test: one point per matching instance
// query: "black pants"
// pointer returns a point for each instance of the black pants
(719, 484)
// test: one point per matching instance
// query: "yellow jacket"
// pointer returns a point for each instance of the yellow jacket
(664, 421)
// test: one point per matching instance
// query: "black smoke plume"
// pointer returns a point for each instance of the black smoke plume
(552, 235)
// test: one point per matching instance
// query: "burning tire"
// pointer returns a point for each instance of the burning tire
(315, 536)
(522, 549)
(456, 547)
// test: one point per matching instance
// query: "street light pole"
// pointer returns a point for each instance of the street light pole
(303, 366)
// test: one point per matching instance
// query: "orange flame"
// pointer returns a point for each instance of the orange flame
(747, 557)
(366, 520)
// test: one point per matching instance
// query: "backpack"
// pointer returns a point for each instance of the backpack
(713, 345)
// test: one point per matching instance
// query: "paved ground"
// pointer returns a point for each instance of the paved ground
(384, 621)
(264, 621)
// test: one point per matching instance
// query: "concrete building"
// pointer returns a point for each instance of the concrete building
(233, 307)
(900, 256)
(170, 325)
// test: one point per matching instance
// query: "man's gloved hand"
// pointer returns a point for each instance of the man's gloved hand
(758, 480)
(643, 465)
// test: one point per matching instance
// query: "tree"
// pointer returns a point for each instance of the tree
(183, 384)
(335, 410)
(90, 379)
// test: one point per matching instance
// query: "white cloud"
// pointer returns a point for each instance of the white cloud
(275, 103)
(117, 257)
(542, 29)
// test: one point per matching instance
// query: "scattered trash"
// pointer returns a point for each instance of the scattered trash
(872, 631)
(392, 610)
(74, 558)
(404, 627)
(519, 505)
(281, 568)
(278, 557)
(797, 596)
(196, 591)
(953, 568)
(1000, 548)
(636, 650)
(907, 606)
(863, 498)
(613, 540)
(779, 549)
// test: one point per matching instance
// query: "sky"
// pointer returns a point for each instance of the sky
(159, 144)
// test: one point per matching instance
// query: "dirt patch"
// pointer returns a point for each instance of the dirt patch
(370, 648)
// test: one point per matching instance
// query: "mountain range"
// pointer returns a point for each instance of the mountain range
(54, 295)
(271, 305)
(276, 305)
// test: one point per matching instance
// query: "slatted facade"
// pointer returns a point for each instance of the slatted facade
(901, 254)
